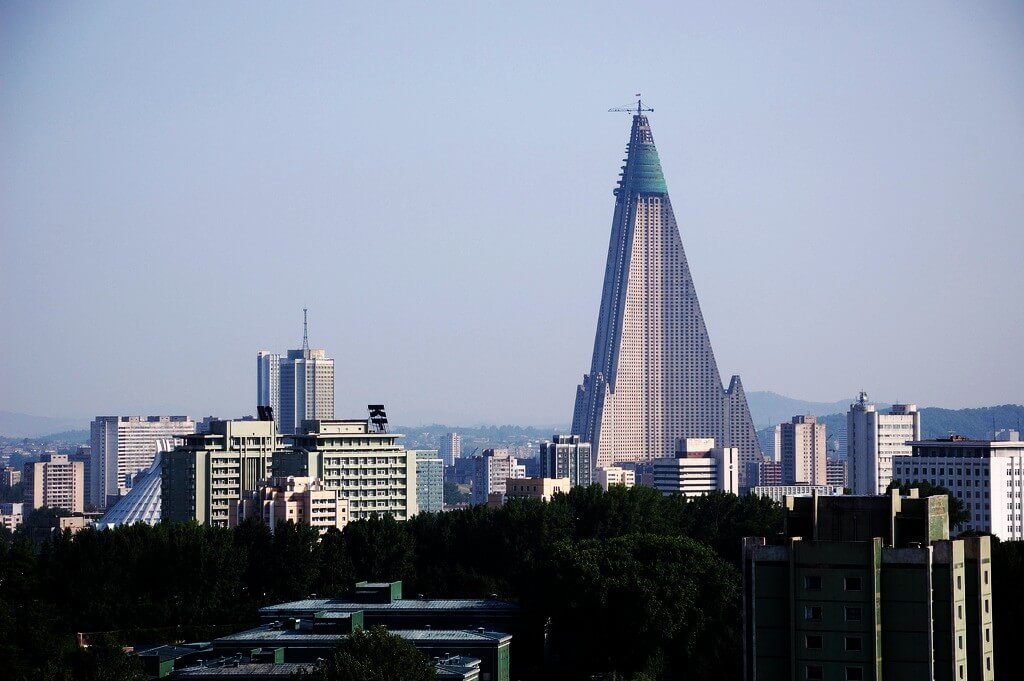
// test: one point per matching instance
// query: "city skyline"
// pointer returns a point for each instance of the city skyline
(843, 186)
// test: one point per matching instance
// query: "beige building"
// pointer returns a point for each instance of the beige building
(200, 478)
(802, 446)
(699, 467)
(56, 482)
(615, 475)
(535, 488)
(300, 500)
(367, 466)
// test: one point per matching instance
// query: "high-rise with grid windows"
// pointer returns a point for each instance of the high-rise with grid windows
(653, 379)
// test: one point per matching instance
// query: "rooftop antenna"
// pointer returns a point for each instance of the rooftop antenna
(305, 330)
(635, 110)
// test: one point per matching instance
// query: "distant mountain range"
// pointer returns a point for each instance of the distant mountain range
(766, 409)
(15, 425)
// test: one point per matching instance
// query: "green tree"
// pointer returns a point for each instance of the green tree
(375, 655)
(380, 548)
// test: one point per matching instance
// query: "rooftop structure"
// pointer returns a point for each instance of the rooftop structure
(699, 467)
(142, 504)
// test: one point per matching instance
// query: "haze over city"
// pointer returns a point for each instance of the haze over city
(435, 186)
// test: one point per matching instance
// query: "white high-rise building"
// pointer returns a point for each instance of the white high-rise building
(873, 439)
(491, 471)
(986, 475)
(653, 378)
(268, 380)
(699, 467)
(298, 386)
(564, 456)
(450, 448)
(123, 446)
(802, 448)
(307, 389)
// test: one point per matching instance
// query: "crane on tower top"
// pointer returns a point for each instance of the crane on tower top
(631, 109)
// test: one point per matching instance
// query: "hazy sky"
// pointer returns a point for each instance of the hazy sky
(433, 180)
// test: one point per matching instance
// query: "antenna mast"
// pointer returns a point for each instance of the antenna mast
(635, 110)
(305, 330)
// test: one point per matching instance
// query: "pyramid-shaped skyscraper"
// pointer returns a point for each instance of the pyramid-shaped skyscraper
(653, 379)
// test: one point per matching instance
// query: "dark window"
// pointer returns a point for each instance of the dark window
(854, 674)
(853, 643)
(852, 583)
(812, 583)
(852, 614)
(813, 642)
(812, 613)
(814, 673)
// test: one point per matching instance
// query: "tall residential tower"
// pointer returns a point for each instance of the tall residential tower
(653, 380)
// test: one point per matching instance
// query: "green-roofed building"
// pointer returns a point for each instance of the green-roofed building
(653, 379)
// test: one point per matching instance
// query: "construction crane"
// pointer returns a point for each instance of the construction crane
(636, 110)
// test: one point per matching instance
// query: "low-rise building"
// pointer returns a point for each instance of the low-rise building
(11, 515)
(863, 588)
(778, 493)
(56, 482)
(699, 467)
(296, 499)
(367, 465)
(615, 475)
(986, 475)
(535, 488)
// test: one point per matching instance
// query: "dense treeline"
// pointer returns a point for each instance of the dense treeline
(626, 582)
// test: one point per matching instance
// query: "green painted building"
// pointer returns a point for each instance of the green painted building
(867, 588)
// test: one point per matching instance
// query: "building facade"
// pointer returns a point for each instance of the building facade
(490, 471)
(429, 481)
(541, 489)
(123, 446)
(873, 439)
(802, 450)
(864, 589)
(303, 501)
(12, 515)
(835, 472)
(778, 493)
(564, 456)
(615, 475)
(200, 478)
(986, 475)
(268, 381)
(653, 379)
(450, 448)
(9, 477)
(368, 467)
(699, 467)
(56, 482)
(307, 389)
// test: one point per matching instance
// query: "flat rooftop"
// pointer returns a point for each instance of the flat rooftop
(276, 636)
(309, 606)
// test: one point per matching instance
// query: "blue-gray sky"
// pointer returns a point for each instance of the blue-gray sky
(433, 180)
